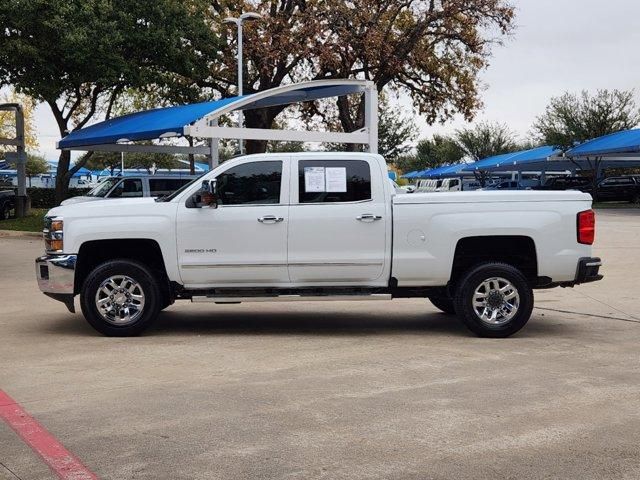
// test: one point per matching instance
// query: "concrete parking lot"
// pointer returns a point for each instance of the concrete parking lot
(344, 390)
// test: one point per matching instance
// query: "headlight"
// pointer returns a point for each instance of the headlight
(53, 236)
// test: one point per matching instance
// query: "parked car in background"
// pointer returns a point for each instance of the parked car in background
(132, 187)
(428, 185)
(566, 183)
(618, 189)
(450, 185)
(7, 203)
(506, 185)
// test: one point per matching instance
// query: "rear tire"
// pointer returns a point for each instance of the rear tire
(445, 304)
(120, 298)
(5, 213)
(494, 300)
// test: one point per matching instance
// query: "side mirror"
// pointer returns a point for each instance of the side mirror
(205, 197)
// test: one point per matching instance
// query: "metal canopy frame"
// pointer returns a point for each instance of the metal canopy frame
(19, 156)
(207, 127)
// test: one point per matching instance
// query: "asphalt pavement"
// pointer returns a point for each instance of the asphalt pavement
(358, 390)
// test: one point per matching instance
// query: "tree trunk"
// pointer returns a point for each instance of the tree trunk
(260, 118)
(62, 176)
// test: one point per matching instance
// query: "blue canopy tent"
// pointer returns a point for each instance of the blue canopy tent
(443, 171)
(410, 174)
(619, 144)
(200, 120)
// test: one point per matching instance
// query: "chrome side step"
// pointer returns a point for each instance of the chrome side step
(290, 298)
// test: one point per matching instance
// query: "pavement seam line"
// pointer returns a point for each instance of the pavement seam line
(630, 320)
(62, 462)
(10, 471)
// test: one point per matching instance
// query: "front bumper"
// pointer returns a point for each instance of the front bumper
(56, 276)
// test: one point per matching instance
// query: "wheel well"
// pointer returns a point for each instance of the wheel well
(145, 251)
(519, 251)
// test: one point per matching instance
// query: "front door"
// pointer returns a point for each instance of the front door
(243, 242)
(338, 222)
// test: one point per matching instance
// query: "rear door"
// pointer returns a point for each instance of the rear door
(338, 221)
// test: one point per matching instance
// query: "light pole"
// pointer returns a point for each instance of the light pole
(238, 22)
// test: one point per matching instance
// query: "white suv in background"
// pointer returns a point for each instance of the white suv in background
(132, 187)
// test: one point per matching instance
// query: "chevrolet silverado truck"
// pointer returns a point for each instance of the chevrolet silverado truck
(316, 227)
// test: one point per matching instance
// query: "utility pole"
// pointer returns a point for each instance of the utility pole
(238, 22)
(19, 157)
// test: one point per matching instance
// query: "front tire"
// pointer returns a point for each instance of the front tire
(120, 298)
(494, 300)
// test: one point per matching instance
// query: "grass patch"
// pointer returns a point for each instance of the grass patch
(30, 223)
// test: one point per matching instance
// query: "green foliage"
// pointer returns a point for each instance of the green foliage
(395, 131)
(36, 165)
(46, 197)
(112, 161)
(486, 140)
(570, 119)
(78, 56)
(431, 153)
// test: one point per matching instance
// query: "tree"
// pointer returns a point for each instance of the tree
(113, 161)
(431, 51)
(35, 165)
(571, 119)
(396, 131)
(78, 56)
(431, 153)
(486, 140)
(439, 150)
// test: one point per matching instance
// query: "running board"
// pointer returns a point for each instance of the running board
(290, 298)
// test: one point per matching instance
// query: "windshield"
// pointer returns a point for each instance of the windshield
(168, 198)
(103, 187)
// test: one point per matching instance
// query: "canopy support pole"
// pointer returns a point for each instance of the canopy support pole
(371, 116)
(19, 157)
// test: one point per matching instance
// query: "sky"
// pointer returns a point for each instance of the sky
(557, 46)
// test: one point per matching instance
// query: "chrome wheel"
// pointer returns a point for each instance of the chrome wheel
(120, 300)
(496, 301)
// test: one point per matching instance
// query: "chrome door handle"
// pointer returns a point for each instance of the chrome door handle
(368, 217)
(270, 219)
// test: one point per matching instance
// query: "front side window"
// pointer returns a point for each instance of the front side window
(253, 183)
(330, 181)
(128, 188)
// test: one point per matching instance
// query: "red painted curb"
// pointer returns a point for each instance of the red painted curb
(63, 463)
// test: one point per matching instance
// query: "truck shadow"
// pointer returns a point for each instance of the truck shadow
(181, 323)
(333, 324)
(296, 323)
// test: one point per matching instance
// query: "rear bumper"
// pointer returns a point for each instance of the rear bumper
(588, 269)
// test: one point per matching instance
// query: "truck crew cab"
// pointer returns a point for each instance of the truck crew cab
(316, 226)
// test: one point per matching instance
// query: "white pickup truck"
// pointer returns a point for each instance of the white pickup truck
(316, 226)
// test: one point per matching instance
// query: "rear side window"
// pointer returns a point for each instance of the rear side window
(330, 181)
(164, 186)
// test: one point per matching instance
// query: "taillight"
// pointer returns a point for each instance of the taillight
(586, 227)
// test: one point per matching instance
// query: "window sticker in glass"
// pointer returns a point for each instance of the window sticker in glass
(336, 179)
(314, 179)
